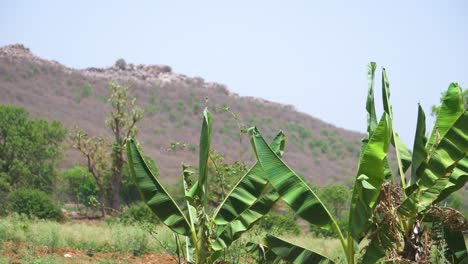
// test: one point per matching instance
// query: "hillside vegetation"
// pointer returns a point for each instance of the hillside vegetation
(173, 102)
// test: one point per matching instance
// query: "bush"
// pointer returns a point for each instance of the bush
(34, 203)
(138, 213)
(121, 64)
(280, 224)
(81, 185)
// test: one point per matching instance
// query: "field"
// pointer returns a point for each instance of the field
(380, 200)
(38, 241)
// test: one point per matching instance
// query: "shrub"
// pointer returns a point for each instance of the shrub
(81, 185)
(87, 90)
(138, 213)
(34, 203)
(280, 224)
(166, 68)
(121, 64)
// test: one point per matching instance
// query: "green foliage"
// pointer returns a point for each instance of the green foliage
(303, 132)
(30, 72)
(393, 224)
(29, 149)
(122, 122)
(116, 240)
(121, 64)
(192, 148)
(318, 144)
(129, 192)
(226, 175)
(138, 213)
(435, 109)
(181, 106)
(34, 203)
(150, 105)
(207, 236)
(279, 224)
(336, 198)
(8, 78)
(81, 185)
(85, 92)
(196, 108)
(455, 201)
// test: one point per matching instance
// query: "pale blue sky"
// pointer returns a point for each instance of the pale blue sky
(311, 54)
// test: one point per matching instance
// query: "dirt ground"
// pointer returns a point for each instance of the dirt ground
(16, 252)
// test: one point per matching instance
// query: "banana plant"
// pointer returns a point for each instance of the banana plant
(207, 236)
(392, 221)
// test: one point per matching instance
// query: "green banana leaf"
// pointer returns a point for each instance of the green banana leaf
(247, 202)
(371, 115)
(154, 194)
(435, 173)
(457, 180)
(370, 105)
(374, 252)
(205, 139)
(263, 253)
(419, 146)
(291, 188)
(369, 180)
(199, 188)
(226, 234)
(293, 253)
(450, 110)
(457, 251)
(402, 153)
(192, 213)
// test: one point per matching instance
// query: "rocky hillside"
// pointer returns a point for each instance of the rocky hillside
(173, 104)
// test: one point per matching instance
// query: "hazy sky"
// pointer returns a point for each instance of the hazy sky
(311, 54)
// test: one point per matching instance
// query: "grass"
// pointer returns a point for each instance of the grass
(40, 241)
(24, 236)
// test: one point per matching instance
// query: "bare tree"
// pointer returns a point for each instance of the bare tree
(95, 151)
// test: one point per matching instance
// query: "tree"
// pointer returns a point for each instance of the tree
(29, 149)
(122, 122)
(81, 186)
(121, 64)
(336, 197)
(94, 149)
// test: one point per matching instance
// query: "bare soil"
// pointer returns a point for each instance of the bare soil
(15, 253)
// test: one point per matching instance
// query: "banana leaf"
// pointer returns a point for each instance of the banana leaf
(293, 253)
(205, 139)
(247, 202)
(374, 252)
(450, 110)
(154, 194)
(457, 180)
(370, 104)
(371, 115)
(264, 254)
(291, 188)
(369, 180)
(419, 146)
(226, 234)
(457, 251)
(435, 173)
(192, 213)
(402, 153)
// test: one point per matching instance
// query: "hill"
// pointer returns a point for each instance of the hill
(173, 104)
